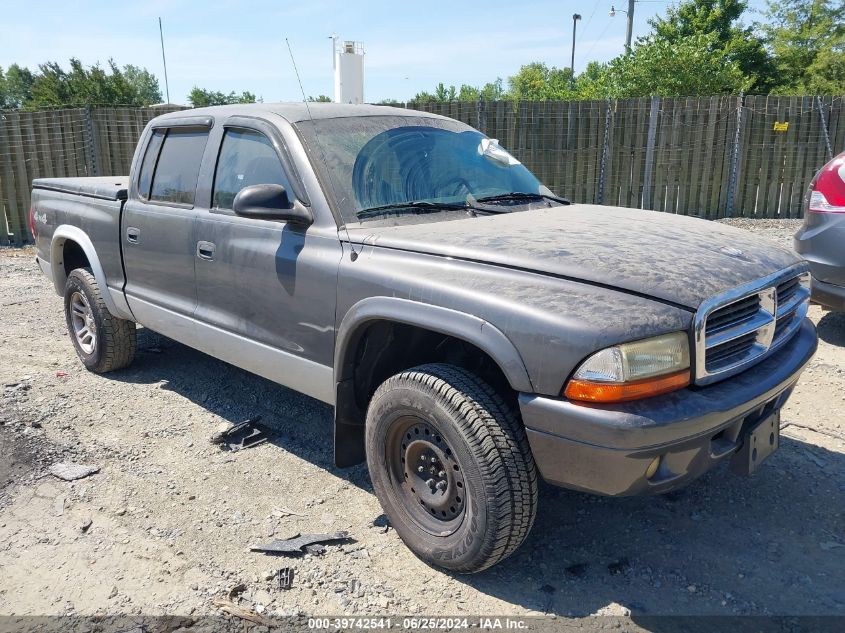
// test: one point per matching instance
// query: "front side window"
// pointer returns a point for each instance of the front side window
(246, 158)
(175, 178)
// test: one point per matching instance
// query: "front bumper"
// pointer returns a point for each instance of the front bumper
(606, 449)
(828, 295)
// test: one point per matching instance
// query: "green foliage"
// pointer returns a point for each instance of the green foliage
(15, 87)
(492, 91)
(200, 98)
(807, 40)
(698, 47)
(538, 82)
(144, 83)
(320, 99)
(720, 19)
(690, 66)
(51, 85)
(54, 86)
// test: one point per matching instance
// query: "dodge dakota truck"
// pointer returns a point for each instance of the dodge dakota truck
(473, 331)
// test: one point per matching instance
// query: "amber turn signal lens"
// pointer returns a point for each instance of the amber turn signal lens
(587, 391)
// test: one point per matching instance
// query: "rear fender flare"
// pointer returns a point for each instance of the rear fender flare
(64, 233)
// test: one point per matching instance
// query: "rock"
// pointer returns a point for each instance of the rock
(113, 592)
(68, 471)
(85, 524)
(614, 609)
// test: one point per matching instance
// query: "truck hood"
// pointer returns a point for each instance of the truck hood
(676, 259)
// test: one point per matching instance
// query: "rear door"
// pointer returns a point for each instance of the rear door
(266, 288)
(158, 229)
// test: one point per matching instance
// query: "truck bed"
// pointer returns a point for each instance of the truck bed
(102, 187)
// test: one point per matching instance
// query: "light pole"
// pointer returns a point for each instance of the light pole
(630, 15)
(575, 18)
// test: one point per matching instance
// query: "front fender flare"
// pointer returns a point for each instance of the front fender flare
(62, 234)
(348, 424)
(461, 325)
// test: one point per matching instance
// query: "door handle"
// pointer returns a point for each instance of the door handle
(133, 235)
(205, 250)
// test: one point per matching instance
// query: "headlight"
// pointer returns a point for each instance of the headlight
(633, 370)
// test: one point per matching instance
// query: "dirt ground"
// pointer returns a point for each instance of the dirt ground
(164, 526)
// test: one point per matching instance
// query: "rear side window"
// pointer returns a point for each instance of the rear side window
(178, 166)
(246, 158)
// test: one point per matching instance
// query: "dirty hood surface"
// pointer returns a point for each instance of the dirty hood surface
(673, 258)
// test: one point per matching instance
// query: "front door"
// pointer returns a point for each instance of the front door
(267, 288)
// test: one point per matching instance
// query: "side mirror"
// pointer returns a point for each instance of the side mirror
(270, 202)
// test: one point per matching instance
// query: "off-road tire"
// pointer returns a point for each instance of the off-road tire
(115, 338)
(490, 452)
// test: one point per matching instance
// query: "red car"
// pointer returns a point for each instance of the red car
(821, 240)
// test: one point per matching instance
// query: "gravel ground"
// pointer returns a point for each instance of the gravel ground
(164, 526)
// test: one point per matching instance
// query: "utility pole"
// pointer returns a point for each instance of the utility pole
(575, 18)
(629, 31)
(164, 61)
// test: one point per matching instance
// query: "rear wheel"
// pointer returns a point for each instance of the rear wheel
(102, 341)
(451, 466)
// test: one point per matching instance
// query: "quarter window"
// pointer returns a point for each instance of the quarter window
(149, 163)
(178, 166)
(246, 158)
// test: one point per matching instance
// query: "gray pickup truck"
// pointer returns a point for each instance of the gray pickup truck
(470, 328)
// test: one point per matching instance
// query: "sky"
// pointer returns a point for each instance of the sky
(232, 45)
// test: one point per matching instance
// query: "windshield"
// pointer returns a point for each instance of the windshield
(374, 165)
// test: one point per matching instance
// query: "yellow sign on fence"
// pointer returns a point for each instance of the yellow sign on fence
(781, 127)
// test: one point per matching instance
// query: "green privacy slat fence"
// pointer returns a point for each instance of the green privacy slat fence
(711, 157)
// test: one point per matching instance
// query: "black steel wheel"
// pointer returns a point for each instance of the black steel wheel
(424, 468)
(451, 466)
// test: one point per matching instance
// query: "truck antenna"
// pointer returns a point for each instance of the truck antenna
(353, 255)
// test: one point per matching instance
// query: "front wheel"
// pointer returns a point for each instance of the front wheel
(451, 466)
(103, 342)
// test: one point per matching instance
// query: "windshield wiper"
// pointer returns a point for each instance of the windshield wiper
(521, 195)
(401, 207)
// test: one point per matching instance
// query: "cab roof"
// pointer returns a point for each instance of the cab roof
(297, 111)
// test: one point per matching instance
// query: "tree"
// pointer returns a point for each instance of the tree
(691, 66)
(51, 85)
(720, 19)
(807, 39)
(200, 98)
(538, 82)
(320, 99)
(144, 83)
(15, 87)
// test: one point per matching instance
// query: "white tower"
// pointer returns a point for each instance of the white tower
(348, 71)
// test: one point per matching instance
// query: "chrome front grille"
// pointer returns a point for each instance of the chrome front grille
(741, 327)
